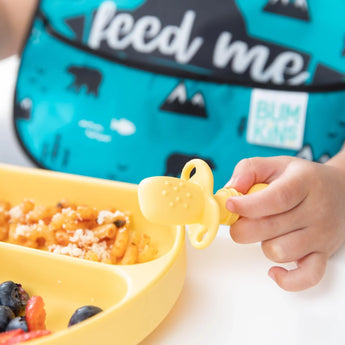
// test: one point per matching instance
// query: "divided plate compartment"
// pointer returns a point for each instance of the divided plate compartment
(134, 298)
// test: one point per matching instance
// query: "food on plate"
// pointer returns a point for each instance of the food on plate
(31, 323)
(76, 230)
(18, 322)
(6, 315)
(22, 318)
(83, 313)
(17, 336)
(35, 314)
(13, 296)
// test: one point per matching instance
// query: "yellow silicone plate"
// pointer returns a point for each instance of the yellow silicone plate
(135, 298)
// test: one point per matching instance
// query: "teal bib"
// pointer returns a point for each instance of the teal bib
(129, 89)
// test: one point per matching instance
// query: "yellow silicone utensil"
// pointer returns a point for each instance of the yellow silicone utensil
(135, 298)
(189, 200)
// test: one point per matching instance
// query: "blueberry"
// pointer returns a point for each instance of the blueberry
(17, 322)
(6, 315)
(83, 313)
(14, 296)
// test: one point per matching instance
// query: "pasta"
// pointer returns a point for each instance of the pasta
(75, 230)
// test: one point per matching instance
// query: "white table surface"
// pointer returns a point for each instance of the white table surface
(227, 297)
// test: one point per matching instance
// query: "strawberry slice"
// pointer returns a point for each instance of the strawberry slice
(5, 336)
(26, 337)
(35, 314)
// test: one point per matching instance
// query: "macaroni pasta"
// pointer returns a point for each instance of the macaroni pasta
(75, 230)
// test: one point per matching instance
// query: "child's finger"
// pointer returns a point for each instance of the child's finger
(254, 170)
(250, 230)
(290, 247)
(309, 272)
(280, 196)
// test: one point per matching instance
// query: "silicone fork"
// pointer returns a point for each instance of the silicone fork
(189, 200)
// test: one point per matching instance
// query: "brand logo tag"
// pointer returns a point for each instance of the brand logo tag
(277, 118)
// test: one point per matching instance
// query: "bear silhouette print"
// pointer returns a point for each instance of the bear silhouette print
(85, 76)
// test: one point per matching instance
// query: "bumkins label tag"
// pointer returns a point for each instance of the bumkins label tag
(277, 118)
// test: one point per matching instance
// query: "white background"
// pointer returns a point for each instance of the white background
(227, 297)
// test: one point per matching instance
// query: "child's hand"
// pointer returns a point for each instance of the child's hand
(299, 217)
